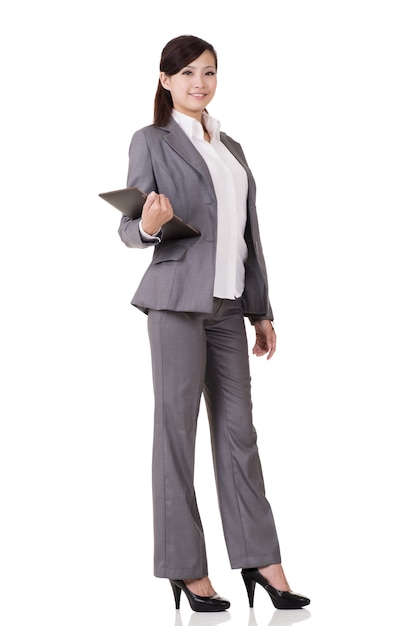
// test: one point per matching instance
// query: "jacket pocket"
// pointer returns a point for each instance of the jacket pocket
(168, 252)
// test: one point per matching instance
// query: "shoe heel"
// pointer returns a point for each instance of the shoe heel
(250, 586)
(176, 592)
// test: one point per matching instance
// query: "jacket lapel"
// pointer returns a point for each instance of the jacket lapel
(181, 144)
(178, 141)
(228, 144)
(240, 158)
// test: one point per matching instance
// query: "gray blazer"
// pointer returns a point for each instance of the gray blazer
(181, 274)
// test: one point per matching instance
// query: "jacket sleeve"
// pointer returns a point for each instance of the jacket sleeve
(140, 174)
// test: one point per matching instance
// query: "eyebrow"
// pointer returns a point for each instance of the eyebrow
(206, 67)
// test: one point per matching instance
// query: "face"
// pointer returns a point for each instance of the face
(194, 86)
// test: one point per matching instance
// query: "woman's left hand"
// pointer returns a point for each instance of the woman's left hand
(265, 339)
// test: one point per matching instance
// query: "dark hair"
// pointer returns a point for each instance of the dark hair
(176, 54)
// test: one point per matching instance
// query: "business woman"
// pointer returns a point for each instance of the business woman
(196, 293)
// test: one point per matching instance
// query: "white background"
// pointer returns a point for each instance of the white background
(323, 97)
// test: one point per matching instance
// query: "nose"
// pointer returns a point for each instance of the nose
(199, 81)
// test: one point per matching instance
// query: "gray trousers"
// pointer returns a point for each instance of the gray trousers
(194, 353)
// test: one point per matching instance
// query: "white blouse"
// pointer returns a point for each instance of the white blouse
(231, 187)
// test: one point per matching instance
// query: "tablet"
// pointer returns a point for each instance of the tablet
(130, 201)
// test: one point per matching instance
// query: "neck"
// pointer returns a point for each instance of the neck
(205, 132)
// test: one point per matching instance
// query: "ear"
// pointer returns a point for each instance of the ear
(165, 80)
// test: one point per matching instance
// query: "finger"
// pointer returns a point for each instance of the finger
(260, 348)
(149, 200)
(271, 352)
(272, 346)
(165, 206)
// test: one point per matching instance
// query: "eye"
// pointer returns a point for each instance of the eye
(186, 72)
(210, 73)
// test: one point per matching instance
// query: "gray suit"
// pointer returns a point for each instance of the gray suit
(198, 344)
(164, 160)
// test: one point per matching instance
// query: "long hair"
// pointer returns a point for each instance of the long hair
(176, 54)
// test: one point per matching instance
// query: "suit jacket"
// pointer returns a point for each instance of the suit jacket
(181, 274)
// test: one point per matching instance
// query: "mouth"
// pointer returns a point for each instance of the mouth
(198, 96)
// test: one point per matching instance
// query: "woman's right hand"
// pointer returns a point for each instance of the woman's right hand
(157, 210)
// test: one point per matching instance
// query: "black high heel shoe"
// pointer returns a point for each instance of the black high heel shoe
(201, 604)
(280, 599)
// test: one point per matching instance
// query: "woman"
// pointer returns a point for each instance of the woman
(196, 293)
